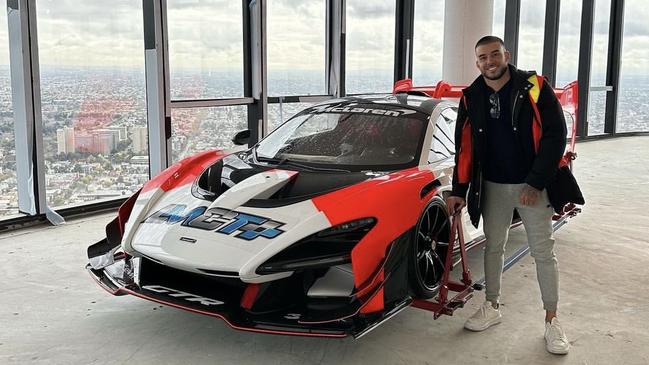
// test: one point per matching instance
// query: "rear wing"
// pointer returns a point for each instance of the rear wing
(568, 97)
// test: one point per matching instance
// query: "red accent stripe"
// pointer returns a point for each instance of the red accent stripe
(124, 211)
(465, 159)
(249, 296)
(378, 294)
(394, 201)
(441, 90)
(183, 172)
(537, 130)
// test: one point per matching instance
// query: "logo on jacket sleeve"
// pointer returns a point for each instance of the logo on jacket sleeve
(241, 225)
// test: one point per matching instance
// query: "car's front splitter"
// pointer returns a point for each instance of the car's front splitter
(224, 302)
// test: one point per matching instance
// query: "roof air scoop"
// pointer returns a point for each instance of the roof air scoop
(258, 186)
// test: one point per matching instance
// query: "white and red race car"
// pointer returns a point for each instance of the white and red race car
(328, 226)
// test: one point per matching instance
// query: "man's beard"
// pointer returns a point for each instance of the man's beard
(498, 75)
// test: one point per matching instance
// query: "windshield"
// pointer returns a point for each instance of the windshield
(355, 138)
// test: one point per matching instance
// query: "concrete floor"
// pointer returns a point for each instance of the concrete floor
(52, 312)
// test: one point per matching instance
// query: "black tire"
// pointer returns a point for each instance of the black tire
(428, 248)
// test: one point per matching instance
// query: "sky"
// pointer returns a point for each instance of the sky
(206, 34)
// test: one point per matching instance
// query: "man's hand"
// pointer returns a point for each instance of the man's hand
(454, 204)
(529, 195)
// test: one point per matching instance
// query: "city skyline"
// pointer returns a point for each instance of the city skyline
(93, 89)
(205, 38)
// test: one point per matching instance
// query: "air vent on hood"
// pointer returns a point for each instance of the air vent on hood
(229, 274)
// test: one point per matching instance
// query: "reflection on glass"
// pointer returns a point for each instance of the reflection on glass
(200, 129)
(353, 141)
(428, 42)
(93, 100)
(596, 108)
(499, 19)
(530, 43)
(633, 108)
(8, 182)
(205, 48)
(568, 47)
(370, 46)
(280, 113)
(296, 47)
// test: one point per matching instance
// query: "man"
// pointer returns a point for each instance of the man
(510, 135)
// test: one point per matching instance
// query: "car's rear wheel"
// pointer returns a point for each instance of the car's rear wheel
(428, 249)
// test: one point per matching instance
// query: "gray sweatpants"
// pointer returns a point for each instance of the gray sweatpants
(498, 206)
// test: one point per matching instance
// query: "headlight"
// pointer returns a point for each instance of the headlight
(330, 247)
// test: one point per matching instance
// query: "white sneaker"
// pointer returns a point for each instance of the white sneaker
(556, 341)
(484, 318)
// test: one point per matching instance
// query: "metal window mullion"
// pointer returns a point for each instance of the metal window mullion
(551, 40)
(335, 48)
(247, 71)
(615, 38)
(26, 99)
(583, 72)
(210, 103)
(404, 29)
(256, 40)
(298, 99)
(157, 84)
(512, 27)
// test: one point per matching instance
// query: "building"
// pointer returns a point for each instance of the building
(122, 132)
(106, 140)
(139, 138)
(102, 141)
(65, 140)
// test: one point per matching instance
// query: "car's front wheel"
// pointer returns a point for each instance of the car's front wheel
(428, 249)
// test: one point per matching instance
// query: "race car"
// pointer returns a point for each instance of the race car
(330, 225)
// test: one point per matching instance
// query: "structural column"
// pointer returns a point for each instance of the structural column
(158, 108)
(465, 21)
(615, 37)
(257, 77)
(583, 72)
(405, 24)
(335, 57)
(551, 40)
(26, 97)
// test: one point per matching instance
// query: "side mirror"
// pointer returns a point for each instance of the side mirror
(241, 138)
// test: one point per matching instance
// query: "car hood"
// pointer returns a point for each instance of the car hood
(228, 216)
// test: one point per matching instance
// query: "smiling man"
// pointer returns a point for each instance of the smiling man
(509, 138)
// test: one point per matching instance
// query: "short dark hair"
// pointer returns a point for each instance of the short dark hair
(489, 39)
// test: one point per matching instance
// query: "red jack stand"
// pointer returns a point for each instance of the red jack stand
(441, 304)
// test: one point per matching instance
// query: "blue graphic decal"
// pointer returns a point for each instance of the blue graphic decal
(246, 226)
(169, 214)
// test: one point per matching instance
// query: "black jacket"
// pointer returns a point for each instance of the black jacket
(472, 114)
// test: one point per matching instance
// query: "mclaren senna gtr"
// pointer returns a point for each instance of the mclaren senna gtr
(327, 227)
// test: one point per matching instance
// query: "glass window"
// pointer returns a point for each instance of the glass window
(93, 100)
(205, 48)
(632, 111)
(279, 113)
(356, 140)
(296, 47)
(568, 47)
(599, 57)
(428, 42)
(530, 37)
(8, 182)
(369, 55)
(499, 19)
(200, 129)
